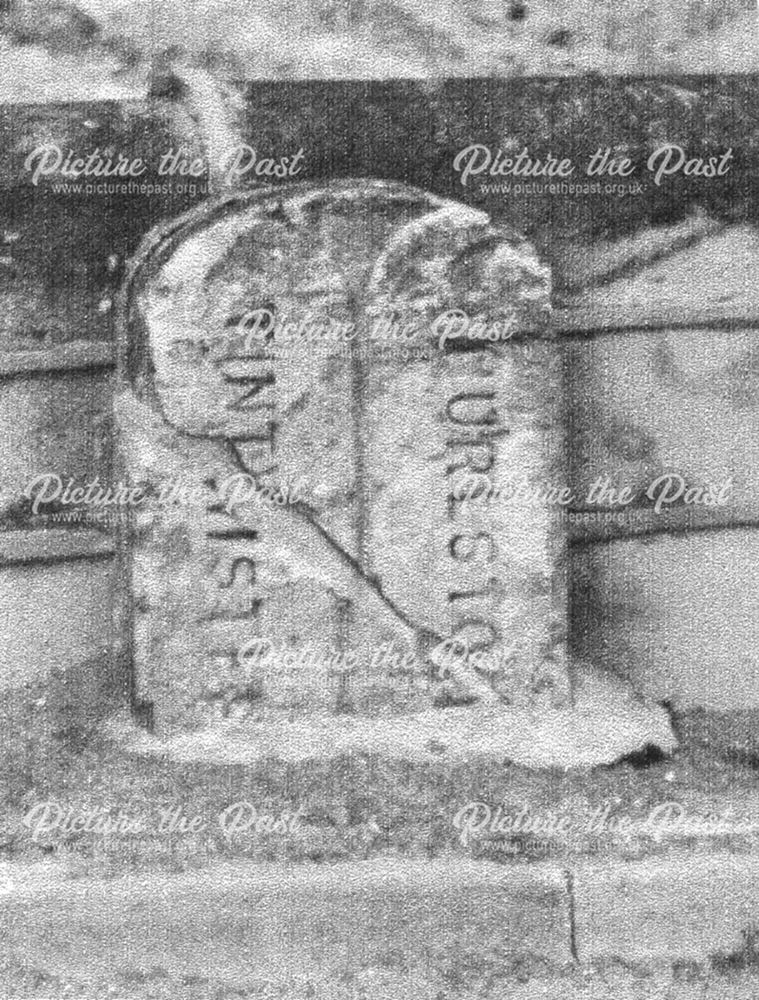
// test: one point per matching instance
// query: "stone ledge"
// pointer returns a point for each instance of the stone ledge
(438, 928)
(24, 547)
(75, 356)
(606, 721)
(291, 926)
(696, 907)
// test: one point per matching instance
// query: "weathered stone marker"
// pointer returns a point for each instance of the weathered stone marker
(315, 345)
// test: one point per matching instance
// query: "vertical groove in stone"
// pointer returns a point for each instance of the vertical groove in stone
(572, 915)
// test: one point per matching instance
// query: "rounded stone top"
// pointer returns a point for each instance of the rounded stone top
(308, 271)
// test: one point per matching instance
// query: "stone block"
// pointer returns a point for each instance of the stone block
(59, 424)
(296, 930)
(677, 614)
(687, 908)
(56, 616)
(291, 340)
(671, 415)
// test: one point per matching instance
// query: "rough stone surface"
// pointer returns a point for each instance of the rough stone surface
(697, 907)
(49, 426)
(375, 550)
(301, 931)
(666, 928)
(402, 40)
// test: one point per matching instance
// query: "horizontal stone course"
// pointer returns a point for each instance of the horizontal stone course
(700, 907)
(448, 921)
(470, 928)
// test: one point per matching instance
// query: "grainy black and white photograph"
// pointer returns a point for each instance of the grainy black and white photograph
(379, 500)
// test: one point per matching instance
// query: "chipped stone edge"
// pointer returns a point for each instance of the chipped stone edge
(605, 723)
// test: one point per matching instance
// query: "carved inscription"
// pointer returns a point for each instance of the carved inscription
(379, 552)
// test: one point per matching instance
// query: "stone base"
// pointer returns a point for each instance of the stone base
(606, 722)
